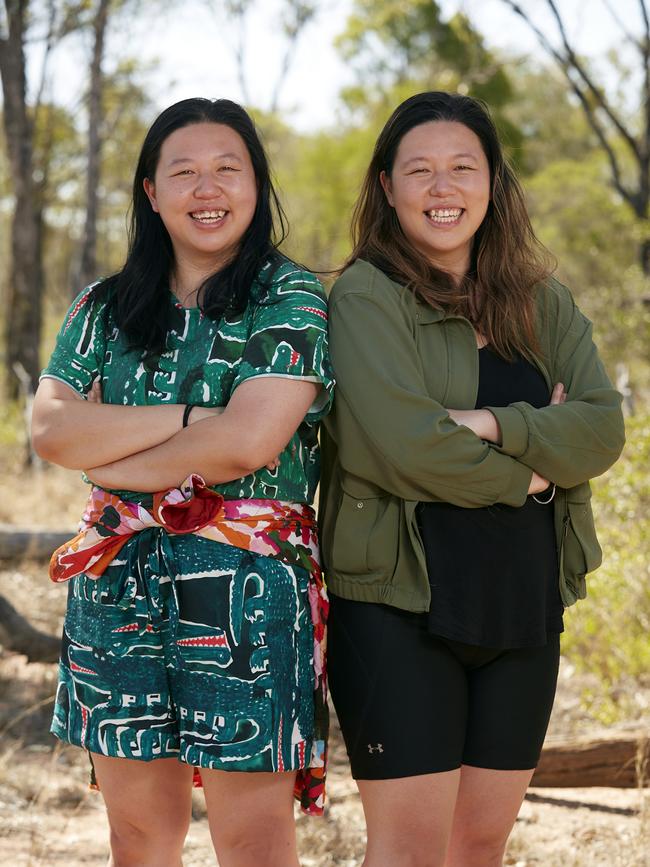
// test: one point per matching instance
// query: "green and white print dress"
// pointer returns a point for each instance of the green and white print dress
(186, 646)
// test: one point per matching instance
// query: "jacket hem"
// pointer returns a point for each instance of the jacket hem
(386, 594)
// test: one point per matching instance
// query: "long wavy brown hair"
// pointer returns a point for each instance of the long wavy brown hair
(508, 263)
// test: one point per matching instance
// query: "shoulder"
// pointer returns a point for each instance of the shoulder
(554, 293)
(557, 307)
(291, 296)
(363, 278)
(88, 306)
(285, 280)
(365, 291)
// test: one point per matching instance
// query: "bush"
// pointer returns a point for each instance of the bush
(608, 635)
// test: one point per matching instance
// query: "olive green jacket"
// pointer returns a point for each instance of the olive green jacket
(389, 443)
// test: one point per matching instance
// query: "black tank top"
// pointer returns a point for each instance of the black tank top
(494, 571)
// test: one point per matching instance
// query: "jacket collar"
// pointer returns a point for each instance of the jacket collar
(425, 314)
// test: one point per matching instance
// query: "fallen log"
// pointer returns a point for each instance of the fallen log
(19, 636)
(19, 543)
(617, 759)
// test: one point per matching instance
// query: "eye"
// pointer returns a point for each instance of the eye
(228, 169)
(183, 172)
(463, 168)
(419, 171)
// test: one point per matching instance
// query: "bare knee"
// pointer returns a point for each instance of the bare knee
(405, 844)
(146, 844)
(477, 848)
(271, 841)
(389, 854)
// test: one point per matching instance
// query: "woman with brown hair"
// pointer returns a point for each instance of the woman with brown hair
(472, 410)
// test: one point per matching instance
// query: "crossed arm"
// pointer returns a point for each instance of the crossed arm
(486, 426)
(146, 448)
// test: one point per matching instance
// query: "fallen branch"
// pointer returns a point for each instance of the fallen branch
(18, 543)
(618, 760)
(19, 636)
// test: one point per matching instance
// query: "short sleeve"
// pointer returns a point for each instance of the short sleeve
(289, 336)
(79, 351)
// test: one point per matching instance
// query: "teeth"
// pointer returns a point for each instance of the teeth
(445, 215)
(208, 215)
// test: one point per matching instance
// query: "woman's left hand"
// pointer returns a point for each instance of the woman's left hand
(558, 395)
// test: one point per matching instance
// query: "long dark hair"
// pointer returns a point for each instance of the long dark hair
(507, 260)
(135, 294)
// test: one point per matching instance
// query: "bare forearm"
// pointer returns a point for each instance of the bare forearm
(217, 453)
(77, 434)
(258, 422)
(481, 421)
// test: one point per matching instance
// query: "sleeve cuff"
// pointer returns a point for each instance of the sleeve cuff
(517, 490)
(514, 430)
(73, 385)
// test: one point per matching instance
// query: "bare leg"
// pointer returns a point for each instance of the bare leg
(251, 818)
(486, 809)
(149, 806)
(409, 819)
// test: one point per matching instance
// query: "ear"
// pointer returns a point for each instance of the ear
(387, 186)
(150, 190)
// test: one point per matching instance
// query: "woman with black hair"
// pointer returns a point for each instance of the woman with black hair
(188, 387)
(471, 411)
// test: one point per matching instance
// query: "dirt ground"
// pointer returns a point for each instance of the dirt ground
(49, 817)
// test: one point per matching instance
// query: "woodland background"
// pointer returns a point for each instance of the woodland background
(577, 127)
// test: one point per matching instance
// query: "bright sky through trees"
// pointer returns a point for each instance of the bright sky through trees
(190, 50)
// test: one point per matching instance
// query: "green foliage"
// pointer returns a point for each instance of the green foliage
(595, 237)
(607, 635)
(396, 47)
(551, 122)
(11, 426)
(322, 186)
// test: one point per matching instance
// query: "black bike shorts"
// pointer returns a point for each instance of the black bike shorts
(411, 703)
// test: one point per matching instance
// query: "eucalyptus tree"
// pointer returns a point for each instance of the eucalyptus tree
(623, 134)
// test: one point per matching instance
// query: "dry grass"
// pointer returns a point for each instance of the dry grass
(50, 497)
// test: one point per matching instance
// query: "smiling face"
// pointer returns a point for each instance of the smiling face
(205, 191)
(439, 187)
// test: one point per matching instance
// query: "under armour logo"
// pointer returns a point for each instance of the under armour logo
(378, 749)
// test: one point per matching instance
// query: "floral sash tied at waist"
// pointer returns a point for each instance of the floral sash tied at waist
(270, 528)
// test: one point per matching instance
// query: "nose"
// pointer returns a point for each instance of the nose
(441, 183)
(207, 186)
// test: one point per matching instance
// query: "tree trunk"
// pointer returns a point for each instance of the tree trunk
(619, 760)
(23, 325)
(645, 256)
(19, 636)
(88, 265)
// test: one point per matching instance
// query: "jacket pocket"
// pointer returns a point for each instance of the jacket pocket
(580, 552)
(365, 542)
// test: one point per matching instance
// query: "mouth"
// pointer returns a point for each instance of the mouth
(208, 218)
(444, 216)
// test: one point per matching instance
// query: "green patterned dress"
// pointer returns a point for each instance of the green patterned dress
(219, 672)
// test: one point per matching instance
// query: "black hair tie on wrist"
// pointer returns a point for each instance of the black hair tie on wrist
(186, 413)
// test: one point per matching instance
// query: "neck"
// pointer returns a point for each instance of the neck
(188, 277)
(456, 266)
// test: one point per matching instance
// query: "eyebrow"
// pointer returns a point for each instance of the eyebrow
(423, 159)
(228, 156)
